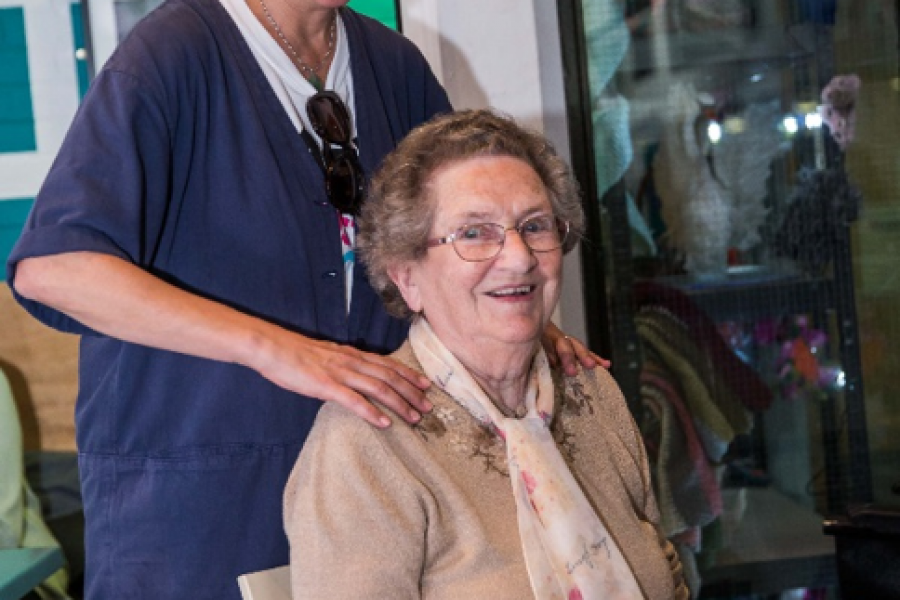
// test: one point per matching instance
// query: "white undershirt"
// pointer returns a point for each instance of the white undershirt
(292, 89)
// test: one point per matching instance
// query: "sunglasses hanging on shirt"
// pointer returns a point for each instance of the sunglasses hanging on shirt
(344, 178)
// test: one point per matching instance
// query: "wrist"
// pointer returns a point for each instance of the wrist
(254, 347)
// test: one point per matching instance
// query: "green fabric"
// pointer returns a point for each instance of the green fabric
(21, 523)
(607, 38)
(383, 11)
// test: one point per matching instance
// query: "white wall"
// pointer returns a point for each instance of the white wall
(104, 35)
(503, 54)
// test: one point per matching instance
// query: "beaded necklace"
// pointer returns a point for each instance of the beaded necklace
(310, 73)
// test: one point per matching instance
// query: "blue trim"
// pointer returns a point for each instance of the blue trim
(81, 64)
(17, 132)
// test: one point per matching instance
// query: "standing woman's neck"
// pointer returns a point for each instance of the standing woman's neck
(306, 32)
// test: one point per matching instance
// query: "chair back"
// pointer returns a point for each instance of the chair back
(271, 584)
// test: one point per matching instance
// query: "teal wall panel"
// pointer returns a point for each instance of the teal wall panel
(16, 112)
(384, 11)
(13, 214)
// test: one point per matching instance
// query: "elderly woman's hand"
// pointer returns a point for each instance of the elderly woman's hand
(561, 349)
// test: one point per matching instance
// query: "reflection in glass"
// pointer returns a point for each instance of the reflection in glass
(745, 181)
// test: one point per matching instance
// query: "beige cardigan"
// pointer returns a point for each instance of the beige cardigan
(428, 511)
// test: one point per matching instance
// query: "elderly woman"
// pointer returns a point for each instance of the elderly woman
(523, 481)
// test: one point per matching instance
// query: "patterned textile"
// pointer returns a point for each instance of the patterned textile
(694, 410)
(684, 482)
(694, 370)
(740, 377)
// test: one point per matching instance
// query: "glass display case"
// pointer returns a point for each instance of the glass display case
(739, 186)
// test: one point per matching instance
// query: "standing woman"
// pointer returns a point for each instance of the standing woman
(197, 235)
(187, 233)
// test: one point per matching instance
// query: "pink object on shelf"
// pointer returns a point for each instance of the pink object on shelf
(838, 108)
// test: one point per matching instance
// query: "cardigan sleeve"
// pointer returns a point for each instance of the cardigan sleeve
(354, 515)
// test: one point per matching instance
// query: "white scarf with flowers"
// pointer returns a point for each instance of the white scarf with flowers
(568, 552)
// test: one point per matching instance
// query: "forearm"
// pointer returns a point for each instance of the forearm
(121, 300)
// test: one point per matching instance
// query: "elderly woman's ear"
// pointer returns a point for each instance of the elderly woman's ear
(403, 277)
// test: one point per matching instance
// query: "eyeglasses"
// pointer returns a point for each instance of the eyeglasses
(483, 241)
(344, 177)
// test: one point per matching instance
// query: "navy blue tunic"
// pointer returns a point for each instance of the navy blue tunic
(182, 160)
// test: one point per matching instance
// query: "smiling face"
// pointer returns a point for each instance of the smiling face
(499, 305)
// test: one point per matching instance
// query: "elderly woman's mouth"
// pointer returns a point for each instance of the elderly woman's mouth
(522, 290)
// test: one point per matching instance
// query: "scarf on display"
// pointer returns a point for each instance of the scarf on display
(568, 552)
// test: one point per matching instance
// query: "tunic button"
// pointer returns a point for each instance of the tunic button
(329, 274)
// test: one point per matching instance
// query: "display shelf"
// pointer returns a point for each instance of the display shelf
(753, 293)
(730, 47)
(773, 544)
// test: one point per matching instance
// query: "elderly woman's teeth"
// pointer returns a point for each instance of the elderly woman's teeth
(519, 291)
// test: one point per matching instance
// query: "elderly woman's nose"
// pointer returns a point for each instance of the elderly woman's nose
(514, 247)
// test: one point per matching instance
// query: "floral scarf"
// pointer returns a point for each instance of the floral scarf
(568, 552)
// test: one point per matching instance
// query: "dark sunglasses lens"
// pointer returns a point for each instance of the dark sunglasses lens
(329, 118)
(344, 185)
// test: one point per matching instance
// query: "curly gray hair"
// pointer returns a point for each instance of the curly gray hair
(398, 214)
